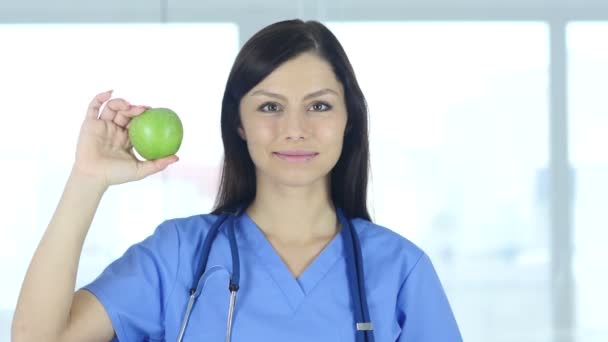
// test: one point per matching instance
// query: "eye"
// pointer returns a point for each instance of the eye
(269, 107)
(320, 107)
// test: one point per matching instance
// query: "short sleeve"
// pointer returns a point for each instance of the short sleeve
(134, 288)
(423, 310)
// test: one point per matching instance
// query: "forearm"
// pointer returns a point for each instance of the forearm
(46, 295)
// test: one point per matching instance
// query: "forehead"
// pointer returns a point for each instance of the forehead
(304, 73)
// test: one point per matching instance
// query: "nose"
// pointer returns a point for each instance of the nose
(295, 125)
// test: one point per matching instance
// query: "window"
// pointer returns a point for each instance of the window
(49, 75)
(588, 109)
(459, 149)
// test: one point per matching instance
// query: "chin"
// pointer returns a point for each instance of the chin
(299, 180)
(295, 175)
(296, 178)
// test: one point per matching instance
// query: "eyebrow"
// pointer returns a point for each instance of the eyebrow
(309, 96)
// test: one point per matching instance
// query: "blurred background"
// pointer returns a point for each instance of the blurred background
(488, 121)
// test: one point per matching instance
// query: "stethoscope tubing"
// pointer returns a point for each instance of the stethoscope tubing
(364, 327)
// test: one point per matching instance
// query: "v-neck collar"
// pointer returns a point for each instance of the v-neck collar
(295, 290)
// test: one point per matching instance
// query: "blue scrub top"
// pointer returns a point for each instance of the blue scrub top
(145, 292)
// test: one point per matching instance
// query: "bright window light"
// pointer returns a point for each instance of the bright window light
(48, 75)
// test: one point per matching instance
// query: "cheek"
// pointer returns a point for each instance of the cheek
(259, 134)
(332, 132)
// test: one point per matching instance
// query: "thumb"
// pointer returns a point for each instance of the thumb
(149, 167)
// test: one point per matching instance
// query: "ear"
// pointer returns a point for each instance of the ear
(241, 133)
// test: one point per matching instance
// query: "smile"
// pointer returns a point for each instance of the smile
(296, 158)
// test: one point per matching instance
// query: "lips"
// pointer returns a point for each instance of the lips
(296, 153)
(296, 156)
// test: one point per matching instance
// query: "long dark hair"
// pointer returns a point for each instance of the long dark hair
(263, 53)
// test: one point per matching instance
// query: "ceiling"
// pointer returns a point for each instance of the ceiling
(267, 10)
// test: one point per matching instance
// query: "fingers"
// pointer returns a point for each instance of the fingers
(96, 103)
(112, 107)
(149, 167)
(116, 110)
(123, 117)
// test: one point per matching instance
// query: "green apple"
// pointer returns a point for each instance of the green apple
(156, 133)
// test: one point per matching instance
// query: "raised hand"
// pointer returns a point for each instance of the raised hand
(104, 152)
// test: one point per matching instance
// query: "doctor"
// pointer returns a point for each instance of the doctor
(294, 128)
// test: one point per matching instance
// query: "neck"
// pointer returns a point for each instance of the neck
(294, 214)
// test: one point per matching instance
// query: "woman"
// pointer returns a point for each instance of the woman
(294, 127)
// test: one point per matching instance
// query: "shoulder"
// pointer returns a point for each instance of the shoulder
(375, 235)
(383, 246)
(188, 227)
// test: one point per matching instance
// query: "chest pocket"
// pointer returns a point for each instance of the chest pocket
(209, 314)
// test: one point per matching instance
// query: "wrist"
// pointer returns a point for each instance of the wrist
(87, 182)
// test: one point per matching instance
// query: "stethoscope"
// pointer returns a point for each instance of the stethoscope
(354, 259)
